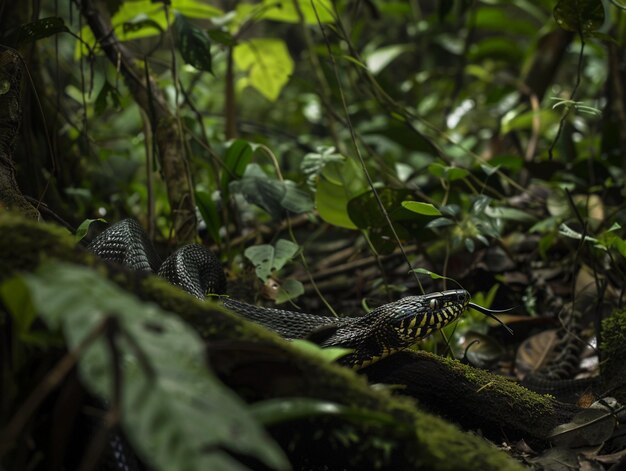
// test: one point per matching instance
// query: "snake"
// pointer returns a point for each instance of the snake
(387, 329)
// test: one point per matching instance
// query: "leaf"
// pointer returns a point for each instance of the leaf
(380, 58)
(267, 258)
(536, 351)
(421, 208)
(339, 182)
(433, 275)
(210, 216)
(40, 29)
(236, 159)
(288, 290)
(84, 227)
(440, 222)
(447, 173)
(16, 297)
(193, 43)
(510, 214)
(107, 92)
(222, 37)
(285, 11)
(267, 63)
(136, 11)
(164, 413)
(579, 16)
(275, 411)
(328, 355)
(272, 195)
(365, 212)
(314, 162)
(589, 427)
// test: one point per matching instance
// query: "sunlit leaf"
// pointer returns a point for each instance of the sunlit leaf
(421, 208)
(267, 63)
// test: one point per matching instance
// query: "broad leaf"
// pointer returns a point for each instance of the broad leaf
(178, 416)
(267, 258)
(274, 196)
(267, 63)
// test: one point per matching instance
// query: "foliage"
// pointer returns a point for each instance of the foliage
(413, 138)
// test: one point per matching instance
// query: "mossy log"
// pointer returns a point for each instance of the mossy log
(259, 365)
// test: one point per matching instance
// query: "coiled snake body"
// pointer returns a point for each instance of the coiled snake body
(385, 330)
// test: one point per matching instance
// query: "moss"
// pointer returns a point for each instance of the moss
(613, 348)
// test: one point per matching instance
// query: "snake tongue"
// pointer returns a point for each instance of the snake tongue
(491, 313)
(322, 333)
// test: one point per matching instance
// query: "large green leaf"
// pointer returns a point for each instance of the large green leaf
(284, 11)
(338, 183)
(267, 63)
(273, 196)
(267, 258)
(178, 416)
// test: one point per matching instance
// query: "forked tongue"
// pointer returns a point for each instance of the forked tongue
(491, 313)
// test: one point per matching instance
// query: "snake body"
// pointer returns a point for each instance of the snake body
(194, 268)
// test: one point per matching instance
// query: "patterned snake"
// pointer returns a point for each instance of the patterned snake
(385, 330)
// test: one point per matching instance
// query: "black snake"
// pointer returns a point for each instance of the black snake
(385, 330)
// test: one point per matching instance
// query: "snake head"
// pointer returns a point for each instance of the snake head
(415, 317)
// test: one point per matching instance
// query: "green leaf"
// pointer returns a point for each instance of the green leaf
(381, 58)
(328, 355)
(339, 182)
(138, 10)
(237, 158)
(288, 290)
(107, 92)
(222, 37)
(16, 297)
(421, 208)
(511, 214)
(193, 43)
(273, 196)
(267, 63)
(579, 16)
(275, 411)
(165, 412)
(440, 222)
(284, 11)
(210, 216)
(84, 227)
(40, 29)
(267, 258)
(433, 275)
(447, 173)
(314, 162)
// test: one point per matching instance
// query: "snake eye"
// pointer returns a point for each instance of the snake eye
(434, 304)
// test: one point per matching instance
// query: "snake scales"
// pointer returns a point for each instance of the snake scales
(385, 330)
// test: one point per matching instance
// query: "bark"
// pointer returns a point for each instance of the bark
(259, 365)
(147, 95)
(12, 79)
